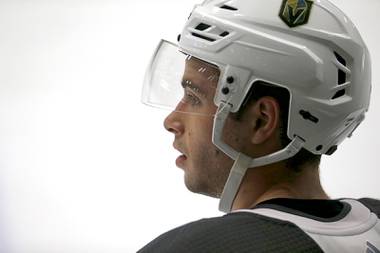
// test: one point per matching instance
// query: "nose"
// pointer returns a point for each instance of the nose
(173, 124)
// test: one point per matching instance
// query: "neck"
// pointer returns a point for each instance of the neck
(278, 181)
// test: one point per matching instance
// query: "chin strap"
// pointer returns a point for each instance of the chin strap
(243, 162)
(232, 185)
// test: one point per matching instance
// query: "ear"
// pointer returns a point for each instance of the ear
(266, 118)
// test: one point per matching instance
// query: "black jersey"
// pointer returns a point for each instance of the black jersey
(281, 225)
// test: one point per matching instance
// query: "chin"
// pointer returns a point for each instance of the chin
(196, 186)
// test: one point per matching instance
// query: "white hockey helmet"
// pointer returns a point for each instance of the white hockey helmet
(308, 47)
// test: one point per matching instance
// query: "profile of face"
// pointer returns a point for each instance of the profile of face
(206, 168)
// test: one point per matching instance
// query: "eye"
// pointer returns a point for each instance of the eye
(191, 98)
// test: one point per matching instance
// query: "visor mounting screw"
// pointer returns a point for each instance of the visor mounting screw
(179, 37)
(230, 79)
(225, 90)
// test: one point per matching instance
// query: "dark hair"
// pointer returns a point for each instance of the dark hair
(261, 89)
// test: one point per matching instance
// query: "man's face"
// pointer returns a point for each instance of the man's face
(206, 167)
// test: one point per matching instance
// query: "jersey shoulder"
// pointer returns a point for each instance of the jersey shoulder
(371, 204)
(234, 232)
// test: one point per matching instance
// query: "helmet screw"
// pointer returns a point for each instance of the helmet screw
(225, 90)
(230, 79)
(179, 37)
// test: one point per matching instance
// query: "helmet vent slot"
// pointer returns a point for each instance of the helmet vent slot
(340, 59)
(227, 7)
(341, 77)
(202, 37)
(202, 27)
(339, 94)
(308, 116)
(341, 74)
(224, 34)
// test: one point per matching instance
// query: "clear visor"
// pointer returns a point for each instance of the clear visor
(179, 82)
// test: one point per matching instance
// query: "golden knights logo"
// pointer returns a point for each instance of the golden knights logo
(295, 12)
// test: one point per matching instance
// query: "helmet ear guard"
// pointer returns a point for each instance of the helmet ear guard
(242, 161)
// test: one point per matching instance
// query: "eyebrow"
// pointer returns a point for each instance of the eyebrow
(194, 87)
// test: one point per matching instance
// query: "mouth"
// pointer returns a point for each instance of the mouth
(181, 159)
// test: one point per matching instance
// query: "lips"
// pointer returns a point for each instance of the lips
(180, 161)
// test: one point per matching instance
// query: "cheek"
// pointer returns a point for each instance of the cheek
(199, 140)
(238, 135)
(201, 127)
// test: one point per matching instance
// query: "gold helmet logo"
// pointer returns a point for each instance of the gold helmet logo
(295, 12)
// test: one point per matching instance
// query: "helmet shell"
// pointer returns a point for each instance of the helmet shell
(324, 63)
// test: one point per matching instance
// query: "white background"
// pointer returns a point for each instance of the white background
(84, 167)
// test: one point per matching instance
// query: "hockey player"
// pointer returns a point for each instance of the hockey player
(260, 90)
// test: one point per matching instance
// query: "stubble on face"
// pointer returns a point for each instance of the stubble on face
(208, 168)
(213, 166)
(208, 172)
